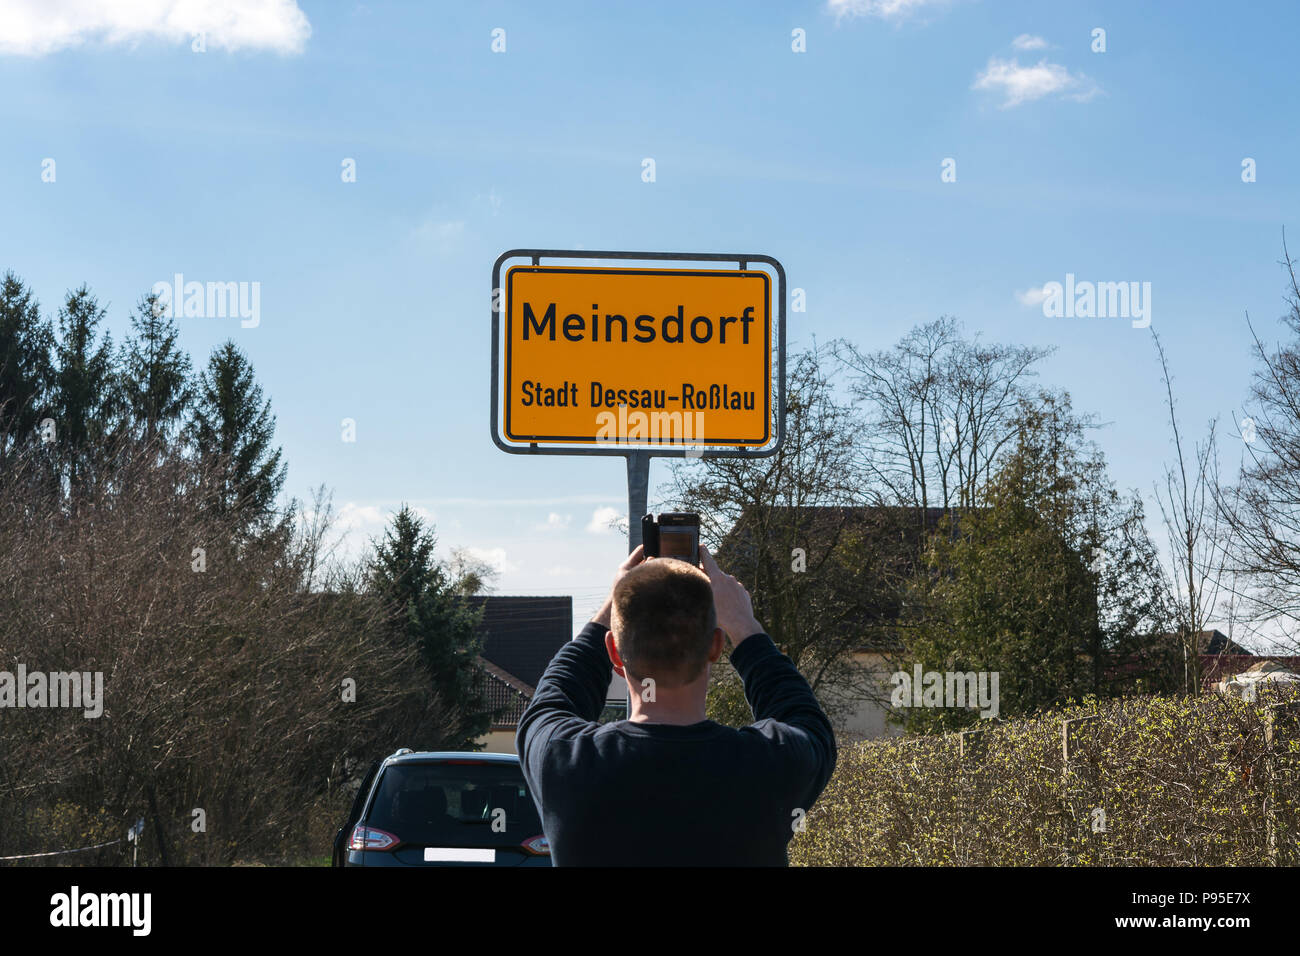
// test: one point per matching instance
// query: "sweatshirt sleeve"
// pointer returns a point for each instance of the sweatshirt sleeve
(569, 697)
(786, 709)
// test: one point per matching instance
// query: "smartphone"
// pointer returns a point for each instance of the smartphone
(676, 534)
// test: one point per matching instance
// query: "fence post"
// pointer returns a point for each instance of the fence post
(1280, 726)
(1069, 737)
(1075, 775)
(971, 744)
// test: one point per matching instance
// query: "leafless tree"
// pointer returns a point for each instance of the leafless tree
(1262, 510)
(1187, 500)
(472, 574)
(938, 410)
(235, 679)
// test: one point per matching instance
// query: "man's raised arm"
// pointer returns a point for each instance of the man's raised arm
(774, 687)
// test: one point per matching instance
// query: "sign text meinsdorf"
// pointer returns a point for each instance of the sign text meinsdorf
(653, 356)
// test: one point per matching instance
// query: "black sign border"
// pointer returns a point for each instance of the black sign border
(656, 450)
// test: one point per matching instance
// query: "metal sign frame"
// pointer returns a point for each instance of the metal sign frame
(624, 449)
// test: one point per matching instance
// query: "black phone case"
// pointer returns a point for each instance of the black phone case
(650, 536)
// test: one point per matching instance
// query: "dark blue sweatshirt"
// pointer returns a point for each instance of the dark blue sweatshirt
(644, 794)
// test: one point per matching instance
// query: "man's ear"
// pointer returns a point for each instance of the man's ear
(612, 650)
(716, 645)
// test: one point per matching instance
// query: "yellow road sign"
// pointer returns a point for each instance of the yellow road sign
(637, 356)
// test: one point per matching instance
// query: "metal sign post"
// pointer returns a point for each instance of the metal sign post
(638, 484)
(676, 362)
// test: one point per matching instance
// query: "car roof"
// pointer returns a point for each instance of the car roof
(432, 756)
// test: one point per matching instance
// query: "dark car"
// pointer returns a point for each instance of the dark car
(443, 809)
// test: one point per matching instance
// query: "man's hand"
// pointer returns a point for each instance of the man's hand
(733, 603)
(606, 609)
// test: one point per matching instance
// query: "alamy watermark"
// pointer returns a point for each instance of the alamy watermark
(969, 689)
(63, 689)
(654, 427)
(210, 300)
(128, 910)
(1094, 300)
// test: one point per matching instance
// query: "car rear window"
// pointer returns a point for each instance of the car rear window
(456, 803)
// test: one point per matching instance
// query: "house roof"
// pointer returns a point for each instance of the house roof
(519, 636)
(1212, 642)
(896, 521)
(1216, 642)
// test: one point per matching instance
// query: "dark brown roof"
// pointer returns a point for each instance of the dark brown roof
(521, 634)
(1212, 642)
(1216, 642)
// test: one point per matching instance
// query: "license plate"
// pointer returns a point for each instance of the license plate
(458, 854)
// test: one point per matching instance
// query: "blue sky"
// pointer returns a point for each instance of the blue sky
(224, 165)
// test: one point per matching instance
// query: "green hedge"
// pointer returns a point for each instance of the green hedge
(1150, 781)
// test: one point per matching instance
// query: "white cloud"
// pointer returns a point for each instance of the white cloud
(1022, 84)
(1032, 296)
(1028, 42)
(554, 522)
(496, 557)
(601, 519)
(359, 523)
(894, 10)
(364, 518)
(39, 27)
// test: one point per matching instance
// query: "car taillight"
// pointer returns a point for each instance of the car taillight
(368, 838)
(537, 846)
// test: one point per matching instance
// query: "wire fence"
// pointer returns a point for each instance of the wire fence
(80, 849)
